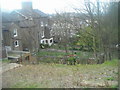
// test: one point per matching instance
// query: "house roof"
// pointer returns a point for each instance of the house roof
(24, 17)
(34, 13)
(6, 26)
(42, 14)
(6, 17)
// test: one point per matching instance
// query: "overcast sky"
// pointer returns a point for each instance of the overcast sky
(47, 6)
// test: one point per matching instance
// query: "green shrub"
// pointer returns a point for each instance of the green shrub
(113, 62)
(110, 78)
(43, 46)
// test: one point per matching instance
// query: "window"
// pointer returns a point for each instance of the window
(43, 42)
(50, 41)
(16, 43)
(42, 34)
(15, 32)
(46, 41)
(42, 24)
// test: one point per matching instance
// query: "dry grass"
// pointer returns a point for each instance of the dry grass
(59, 76)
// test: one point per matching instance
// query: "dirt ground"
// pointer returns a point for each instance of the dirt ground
(60, 76)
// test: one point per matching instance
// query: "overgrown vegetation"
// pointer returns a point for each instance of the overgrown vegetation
(113, 62)
(85, 59)
(94, 27)
(110, 78)
(48, 56)
(61, 76)
(5, 61)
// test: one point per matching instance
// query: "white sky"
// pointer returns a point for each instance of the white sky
(47, 6)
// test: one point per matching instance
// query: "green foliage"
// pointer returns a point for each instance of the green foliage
(114, 86)
(113, 62)
(24, 85)
(5, 61)
(71, 58)
(84, 39)
(43, 46)
(110, 78)
(55, 57)
(50, 53)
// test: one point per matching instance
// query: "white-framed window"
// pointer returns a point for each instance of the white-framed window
(43, 41)
(15, 33)
(51, 41)
(42, 24)
(46, 41)
(16, 43)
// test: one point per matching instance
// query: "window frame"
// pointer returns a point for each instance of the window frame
(16, 45)
(46, 41)
(43, 34)
(15, 32)
(51, 41)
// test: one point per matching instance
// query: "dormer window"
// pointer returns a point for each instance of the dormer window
(16, 43)
(15, 33)
(42, 24)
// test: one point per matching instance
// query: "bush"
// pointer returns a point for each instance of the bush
(110, 78)
(71, 59)
(43, 46)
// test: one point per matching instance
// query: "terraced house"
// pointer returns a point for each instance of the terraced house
(26, 28)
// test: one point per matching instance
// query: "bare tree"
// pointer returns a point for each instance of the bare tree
(99, 16)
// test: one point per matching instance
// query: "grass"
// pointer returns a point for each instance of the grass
(114, 86)
(5, 61)
(55, 53)
(50, 75)
(82, 57)
(50, 53)
(54, 56)
(24, 84)
(57, 76)
(113, 62)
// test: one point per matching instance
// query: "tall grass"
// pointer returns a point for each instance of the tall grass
(113, 62)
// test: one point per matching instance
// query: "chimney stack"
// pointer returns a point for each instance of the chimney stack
(27, 5)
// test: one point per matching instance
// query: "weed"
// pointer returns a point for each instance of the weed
(110, 78)
(6, 61)
(54, 75)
